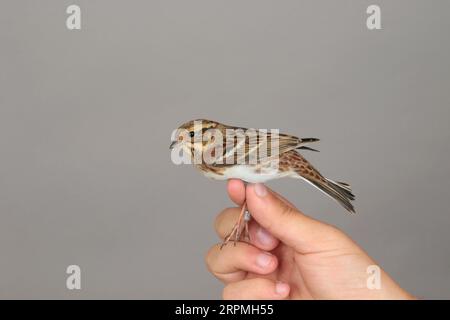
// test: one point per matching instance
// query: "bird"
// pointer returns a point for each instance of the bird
(224, 152)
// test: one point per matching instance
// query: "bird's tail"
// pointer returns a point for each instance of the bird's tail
(307, 140)
(339, 191)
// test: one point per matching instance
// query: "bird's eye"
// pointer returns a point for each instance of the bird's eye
(191, 134)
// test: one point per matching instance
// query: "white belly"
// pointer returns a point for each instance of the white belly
(248, 174)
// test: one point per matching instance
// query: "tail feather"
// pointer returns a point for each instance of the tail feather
(342, 188)
(341, 192)
(307, 148)
(308, 140)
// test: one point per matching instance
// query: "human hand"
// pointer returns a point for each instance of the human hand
(290, 255)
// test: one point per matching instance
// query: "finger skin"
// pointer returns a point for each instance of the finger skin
(259, 237)
(253, 289)
(236, 191)
(231, 263)
(225, 221)
(288, 224)
(286, 201)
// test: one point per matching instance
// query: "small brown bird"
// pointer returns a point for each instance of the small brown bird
(224, 152)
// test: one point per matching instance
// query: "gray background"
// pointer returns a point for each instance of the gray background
(86, 117)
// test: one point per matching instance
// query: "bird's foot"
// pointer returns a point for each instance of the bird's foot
(240, 225)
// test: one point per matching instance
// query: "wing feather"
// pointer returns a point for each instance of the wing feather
(240, 148)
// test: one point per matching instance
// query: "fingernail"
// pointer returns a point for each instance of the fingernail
(281, 288)
(260, 190)
(264, 237)
(264, 259)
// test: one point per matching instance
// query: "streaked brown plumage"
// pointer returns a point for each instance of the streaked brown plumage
(235, 162)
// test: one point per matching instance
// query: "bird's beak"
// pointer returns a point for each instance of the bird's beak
(173, 144)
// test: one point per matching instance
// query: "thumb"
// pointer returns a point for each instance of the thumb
(288, 224)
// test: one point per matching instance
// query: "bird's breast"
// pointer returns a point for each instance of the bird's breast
(246, 173)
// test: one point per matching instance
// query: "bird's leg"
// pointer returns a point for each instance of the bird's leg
(237, 229)
(247, 218)
(237, 235)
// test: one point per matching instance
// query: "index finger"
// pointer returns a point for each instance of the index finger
(236, 191)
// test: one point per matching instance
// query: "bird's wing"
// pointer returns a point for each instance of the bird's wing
(242, 147)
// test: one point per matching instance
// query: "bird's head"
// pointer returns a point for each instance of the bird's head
(195, 136)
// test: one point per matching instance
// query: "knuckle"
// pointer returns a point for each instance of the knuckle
(336, 236)
(335, 232)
